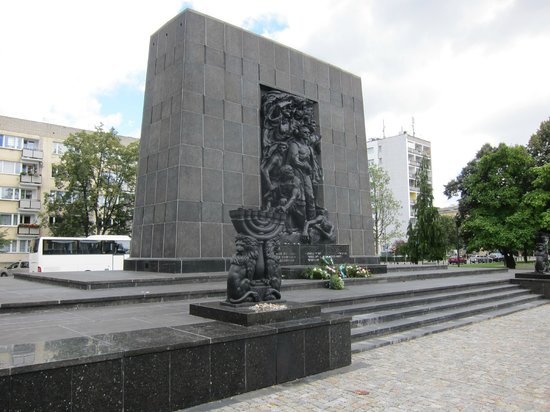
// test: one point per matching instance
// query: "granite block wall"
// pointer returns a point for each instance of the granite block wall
(200, 141)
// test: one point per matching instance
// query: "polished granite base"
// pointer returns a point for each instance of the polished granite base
(536, 282)
(249, 314)
(169, 368)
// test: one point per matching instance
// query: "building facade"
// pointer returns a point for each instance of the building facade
(28, 149)
(401, 156)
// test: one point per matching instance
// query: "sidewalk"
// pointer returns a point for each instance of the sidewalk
(497, 365)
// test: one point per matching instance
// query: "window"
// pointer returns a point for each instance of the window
(27, 194)
(30, 144)
(10, 247)
(26, 219)
(14, 193)
(8, 219)
(9, 193)
(24, 247)
(59, 247)
(11, 142)
(16, 246)
(12, 168)
(29, 169)
(58, 148)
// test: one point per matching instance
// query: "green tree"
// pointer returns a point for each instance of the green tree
(3, 240)
(537, 200)
(96, 177)
(425, 234)
(491, 189)
(539, 144)
(451, 237)
(385, 208)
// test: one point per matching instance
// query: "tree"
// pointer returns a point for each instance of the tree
(3, 240)
(451, 238)
(425, 234)
(539, 144)
(491, 189)
(385, 207)
(96, 177)
(537, 200)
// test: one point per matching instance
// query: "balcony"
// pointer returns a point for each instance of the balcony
(28, 229)
(31, 180)
(32, 154)
(30, 204)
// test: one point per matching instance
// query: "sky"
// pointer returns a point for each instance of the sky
(458, 73)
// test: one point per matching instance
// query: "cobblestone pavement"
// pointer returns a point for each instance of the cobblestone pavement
(501, 364)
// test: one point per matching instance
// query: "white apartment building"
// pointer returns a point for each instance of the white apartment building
(401, 157)
(28, 149)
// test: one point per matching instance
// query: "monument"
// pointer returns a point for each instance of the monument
(233, 120)
(537, 281)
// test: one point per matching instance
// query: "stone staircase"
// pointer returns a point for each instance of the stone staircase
(386, 319)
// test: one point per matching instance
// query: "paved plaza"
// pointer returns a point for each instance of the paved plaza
(502, 364)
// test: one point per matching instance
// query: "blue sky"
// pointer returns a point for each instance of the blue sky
(469, 71)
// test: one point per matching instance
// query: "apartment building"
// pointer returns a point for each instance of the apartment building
(401, 157)
(28, 149)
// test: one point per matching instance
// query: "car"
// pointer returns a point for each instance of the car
(17, 267)
(480, 259)
(455, 260)
(497, 257)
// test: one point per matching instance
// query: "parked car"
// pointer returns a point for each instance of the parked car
(497, 257)
(480, 259)
(455, 260)
(17, 267)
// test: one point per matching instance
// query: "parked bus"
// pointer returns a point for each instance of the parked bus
(65, 254)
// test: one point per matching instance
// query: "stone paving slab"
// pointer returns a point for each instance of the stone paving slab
(500, 364)
(47, 324)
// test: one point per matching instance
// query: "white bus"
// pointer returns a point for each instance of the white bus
(66, 254)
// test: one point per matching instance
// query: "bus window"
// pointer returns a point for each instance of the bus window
(34, 245)
(122, 247)
(59, 247)
(89, 247)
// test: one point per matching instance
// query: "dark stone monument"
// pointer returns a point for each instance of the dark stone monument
(539, 280)
(233, 120)
(541, 254)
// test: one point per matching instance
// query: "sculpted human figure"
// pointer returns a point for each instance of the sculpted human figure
(290, 166)
(320, 229)
(270, 169)
(291, 198)
(301, 158)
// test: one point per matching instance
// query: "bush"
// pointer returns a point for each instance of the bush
(336, 282)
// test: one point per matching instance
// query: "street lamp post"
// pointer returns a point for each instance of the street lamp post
(457, 221)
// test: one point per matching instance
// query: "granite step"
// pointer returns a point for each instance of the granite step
(427, 289)
(366, 305)
(360, 333)
(429, 329)
(382, 316)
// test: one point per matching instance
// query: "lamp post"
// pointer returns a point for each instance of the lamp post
(457, 222)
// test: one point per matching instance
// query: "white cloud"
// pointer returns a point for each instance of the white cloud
(469, 71)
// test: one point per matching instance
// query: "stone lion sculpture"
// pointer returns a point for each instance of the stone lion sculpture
(241, 270)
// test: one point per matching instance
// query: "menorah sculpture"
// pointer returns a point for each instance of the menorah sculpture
(254, 274)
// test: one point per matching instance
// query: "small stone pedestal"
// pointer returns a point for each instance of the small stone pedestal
(250, 314)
